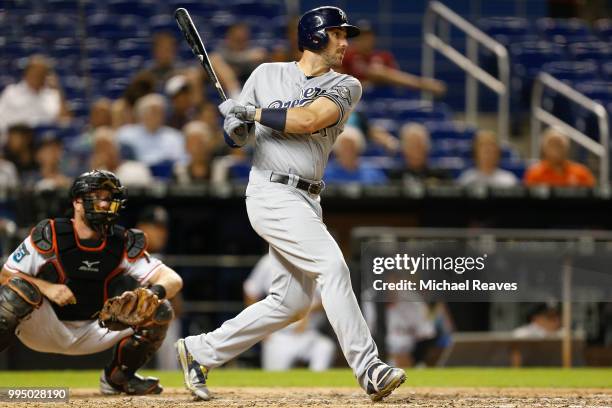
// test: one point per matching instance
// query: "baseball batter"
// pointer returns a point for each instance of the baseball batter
(294, 111)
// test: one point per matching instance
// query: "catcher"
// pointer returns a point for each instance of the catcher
(82, 285)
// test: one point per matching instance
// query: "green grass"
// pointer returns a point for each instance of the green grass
(447, 377)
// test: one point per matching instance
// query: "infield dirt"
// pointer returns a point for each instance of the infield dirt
(347, 397)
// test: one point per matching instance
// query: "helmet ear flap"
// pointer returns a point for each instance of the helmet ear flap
(318, 39)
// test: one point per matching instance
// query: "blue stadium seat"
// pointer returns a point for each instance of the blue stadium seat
(606, 70)
(449, 130)
(601, 91)
(515, 166)
(572, 70)
(162, 170)
(115, 87)
(131, 48)
(142, 8)
(514, 27)
(202, 8)
(104, 26)
(598, 51)
(256, 8)
(163, 22)
(562, 30)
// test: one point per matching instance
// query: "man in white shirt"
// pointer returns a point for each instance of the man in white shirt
(31, 101)
(151, 141)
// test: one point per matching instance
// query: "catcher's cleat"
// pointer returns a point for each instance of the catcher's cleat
(137, 385)
(194, 374)
(383, 380)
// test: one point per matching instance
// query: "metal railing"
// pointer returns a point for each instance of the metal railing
(539, 116)
(438, 13)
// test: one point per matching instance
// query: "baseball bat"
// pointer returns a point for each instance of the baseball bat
(197, 46)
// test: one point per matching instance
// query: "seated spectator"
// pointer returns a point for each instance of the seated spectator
(238, 53)
(374, 133)
(8, 174)
(49, 155)
(544, 321)
(35, 100)
(19, 150)
(182, 106)
(347, 166)
(199, 145)
(486, 171)
(122, 111)
(151, 141)
(100, 114)
(415, 145)
(555, 169)
(165, 62)
(105, 155)
(377, 67)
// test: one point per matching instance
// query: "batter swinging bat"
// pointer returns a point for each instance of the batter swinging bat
(197, 46)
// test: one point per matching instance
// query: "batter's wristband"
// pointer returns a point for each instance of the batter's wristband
(274, 118)
(159, 290)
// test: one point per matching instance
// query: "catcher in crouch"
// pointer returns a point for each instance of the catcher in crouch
(82, 285)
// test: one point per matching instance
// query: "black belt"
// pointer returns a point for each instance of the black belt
(312, 188)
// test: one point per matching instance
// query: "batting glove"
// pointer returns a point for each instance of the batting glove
(236, 131)
(245, 113)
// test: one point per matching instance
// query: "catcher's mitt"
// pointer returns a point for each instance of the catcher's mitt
(132, 309)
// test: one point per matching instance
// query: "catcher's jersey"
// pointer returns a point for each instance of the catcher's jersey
(26, 259)
(284, 85)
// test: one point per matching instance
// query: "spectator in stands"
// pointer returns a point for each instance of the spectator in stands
(151, 141)
(544, 321)
(100, 115)
(415, 145)
(374, 133)
(347, 165)
(182, 106)
(209, 114)
(300, 341)
(199, 144)
(19, 149)
(123, 108)
(376, 67)
(555, 169)
(164, 52)
(289, 50)
(35, 100)
(49, 155)
(486, 172)
(239, 54)
(105, 155)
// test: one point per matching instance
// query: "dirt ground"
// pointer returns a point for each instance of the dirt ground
(347, 397)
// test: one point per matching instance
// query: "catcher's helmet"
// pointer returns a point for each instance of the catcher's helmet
(312, 25)
(98, 218)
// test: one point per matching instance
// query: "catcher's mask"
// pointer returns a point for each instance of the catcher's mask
(90, 187)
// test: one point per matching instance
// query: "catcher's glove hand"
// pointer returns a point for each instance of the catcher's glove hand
(132, 309)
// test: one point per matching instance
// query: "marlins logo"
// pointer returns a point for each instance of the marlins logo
(20, 253)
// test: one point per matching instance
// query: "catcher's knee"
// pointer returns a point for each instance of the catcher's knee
(18, 298)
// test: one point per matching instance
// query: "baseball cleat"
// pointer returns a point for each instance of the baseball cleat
(136, 385)
(194, 374)
(383, 380)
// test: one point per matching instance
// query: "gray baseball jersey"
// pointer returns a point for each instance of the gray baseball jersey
(284, 85)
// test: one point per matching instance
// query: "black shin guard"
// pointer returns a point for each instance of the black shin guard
(133, 352)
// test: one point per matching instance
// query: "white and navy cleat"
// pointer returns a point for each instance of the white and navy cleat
(383, 380)
(194, 374)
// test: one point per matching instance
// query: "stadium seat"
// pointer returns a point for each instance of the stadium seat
(572, 70)
(603, 28)
(197, 7)
(252, 8)
(509, 27)
(142, 8)
(563, 31)
(597, 51)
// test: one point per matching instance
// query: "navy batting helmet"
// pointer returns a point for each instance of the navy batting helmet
(312, 25)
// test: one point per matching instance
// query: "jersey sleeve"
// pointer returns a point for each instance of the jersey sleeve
(345, 94)
(143, 268)
(25, 259)
(247, 96)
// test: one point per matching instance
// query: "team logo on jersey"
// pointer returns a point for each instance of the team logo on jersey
(20, 253)
(343, 92)
(89, 266)
(307, 96)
